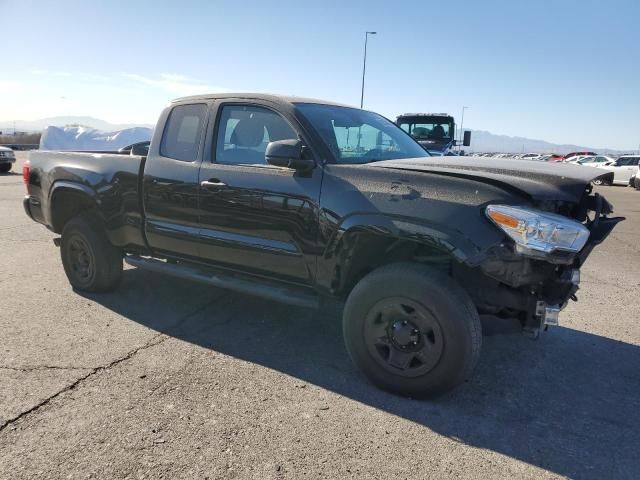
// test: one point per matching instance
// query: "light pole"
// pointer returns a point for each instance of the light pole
(462, 122)
(364, 65)
(461, 125)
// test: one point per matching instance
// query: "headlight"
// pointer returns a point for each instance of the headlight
(536, 231)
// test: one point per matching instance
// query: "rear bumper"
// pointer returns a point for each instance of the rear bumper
(26, 203)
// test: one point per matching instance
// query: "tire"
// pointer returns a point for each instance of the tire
(434, 329)
(91, 263)
(5, 168)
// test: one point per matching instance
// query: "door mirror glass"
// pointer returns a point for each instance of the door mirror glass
(287, 153)
(466, 141)
(141, 148)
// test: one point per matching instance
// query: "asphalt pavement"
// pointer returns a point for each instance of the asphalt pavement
(170, 379)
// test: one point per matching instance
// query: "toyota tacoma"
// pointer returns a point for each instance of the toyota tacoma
(298, 200)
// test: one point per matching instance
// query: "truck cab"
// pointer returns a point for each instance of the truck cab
(436, 132)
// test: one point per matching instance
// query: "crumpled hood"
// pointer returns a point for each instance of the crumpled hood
(539, 180)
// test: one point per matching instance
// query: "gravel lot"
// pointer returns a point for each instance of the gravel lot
(169, 379)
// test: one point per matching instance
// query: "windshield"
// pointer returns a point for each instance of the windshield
(358, 136)
(439, 129)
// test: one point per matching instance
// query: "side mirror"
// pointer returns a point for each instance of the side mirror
(287, 153)
(141, 149)
(466, 141)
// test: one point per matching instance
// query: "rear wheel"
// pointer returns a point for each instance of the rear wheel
(411, 330)
(91, 263)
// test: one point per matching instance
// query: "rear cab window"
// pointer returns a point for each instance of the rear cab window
(183, 132)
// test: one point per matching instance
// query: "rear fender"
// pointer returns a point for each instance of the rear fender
(84, 199)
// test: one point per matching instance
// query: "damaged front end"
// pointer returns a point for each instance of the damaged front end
(527, 279)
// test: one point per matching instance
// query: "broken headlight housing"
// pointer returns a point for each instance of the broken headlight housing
(537, 233)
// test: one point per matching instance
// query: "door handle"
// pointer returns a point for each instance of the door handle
(212, 183)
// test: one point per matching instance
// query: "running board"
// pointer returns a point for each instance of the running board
(256, 288)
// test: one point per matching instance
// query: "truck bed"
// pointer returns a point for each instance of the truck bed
(113, 180)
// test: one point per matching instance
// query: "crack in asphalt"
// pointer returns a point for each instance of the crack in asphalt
(77, 382)
(13, 227)
(154, 341)
(44, 367)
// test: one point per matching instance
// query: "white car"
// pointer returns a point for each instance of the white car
(7, 159)
(574, 159)
(596, 161)
(623, 169)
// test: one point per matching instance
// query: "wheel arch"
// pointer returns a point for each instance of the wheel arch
(364, 243)
(68, 199)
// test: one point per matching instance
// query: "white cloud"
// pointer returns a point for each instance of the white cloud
(118, 98)
(175, 84)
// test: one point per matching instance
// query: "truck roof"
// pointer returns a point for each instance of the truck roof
(424, 115)
(283, 99)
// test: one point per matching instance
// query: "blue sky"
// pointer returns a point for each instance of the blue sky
(566, 71)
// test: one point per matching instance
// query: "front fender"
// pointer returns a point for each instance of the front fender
(438, 236)
(364, 241)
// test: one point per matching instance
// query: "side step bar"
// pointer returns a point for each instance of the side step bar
(271, 291)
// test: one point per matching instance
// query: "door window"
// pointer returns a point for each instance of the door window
(245, 131)
(626, 161)
(183, 131)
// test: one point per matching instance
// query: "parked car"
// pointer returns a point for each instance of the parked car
(570, 156)
(575, 159)
(623, 169)
(7, 159)
(297, 199)
(596, 161)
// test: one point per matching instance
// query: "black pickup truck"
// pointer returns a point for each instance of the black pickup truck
(297, 200)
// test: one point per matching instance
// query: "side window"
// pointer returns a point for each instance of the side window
(245, 131)
(182, 133)
(623, 162)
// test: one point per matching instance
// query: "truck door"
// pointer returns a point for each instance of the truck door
(254, 217)
(170, 182)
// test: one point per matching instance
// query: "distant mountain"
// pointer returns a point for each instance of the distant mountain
(39, 125)
(482, 141)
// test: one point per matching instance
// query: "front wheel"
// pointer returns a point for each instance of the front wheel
(5, 167)
(91, 263)
(412, 330)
